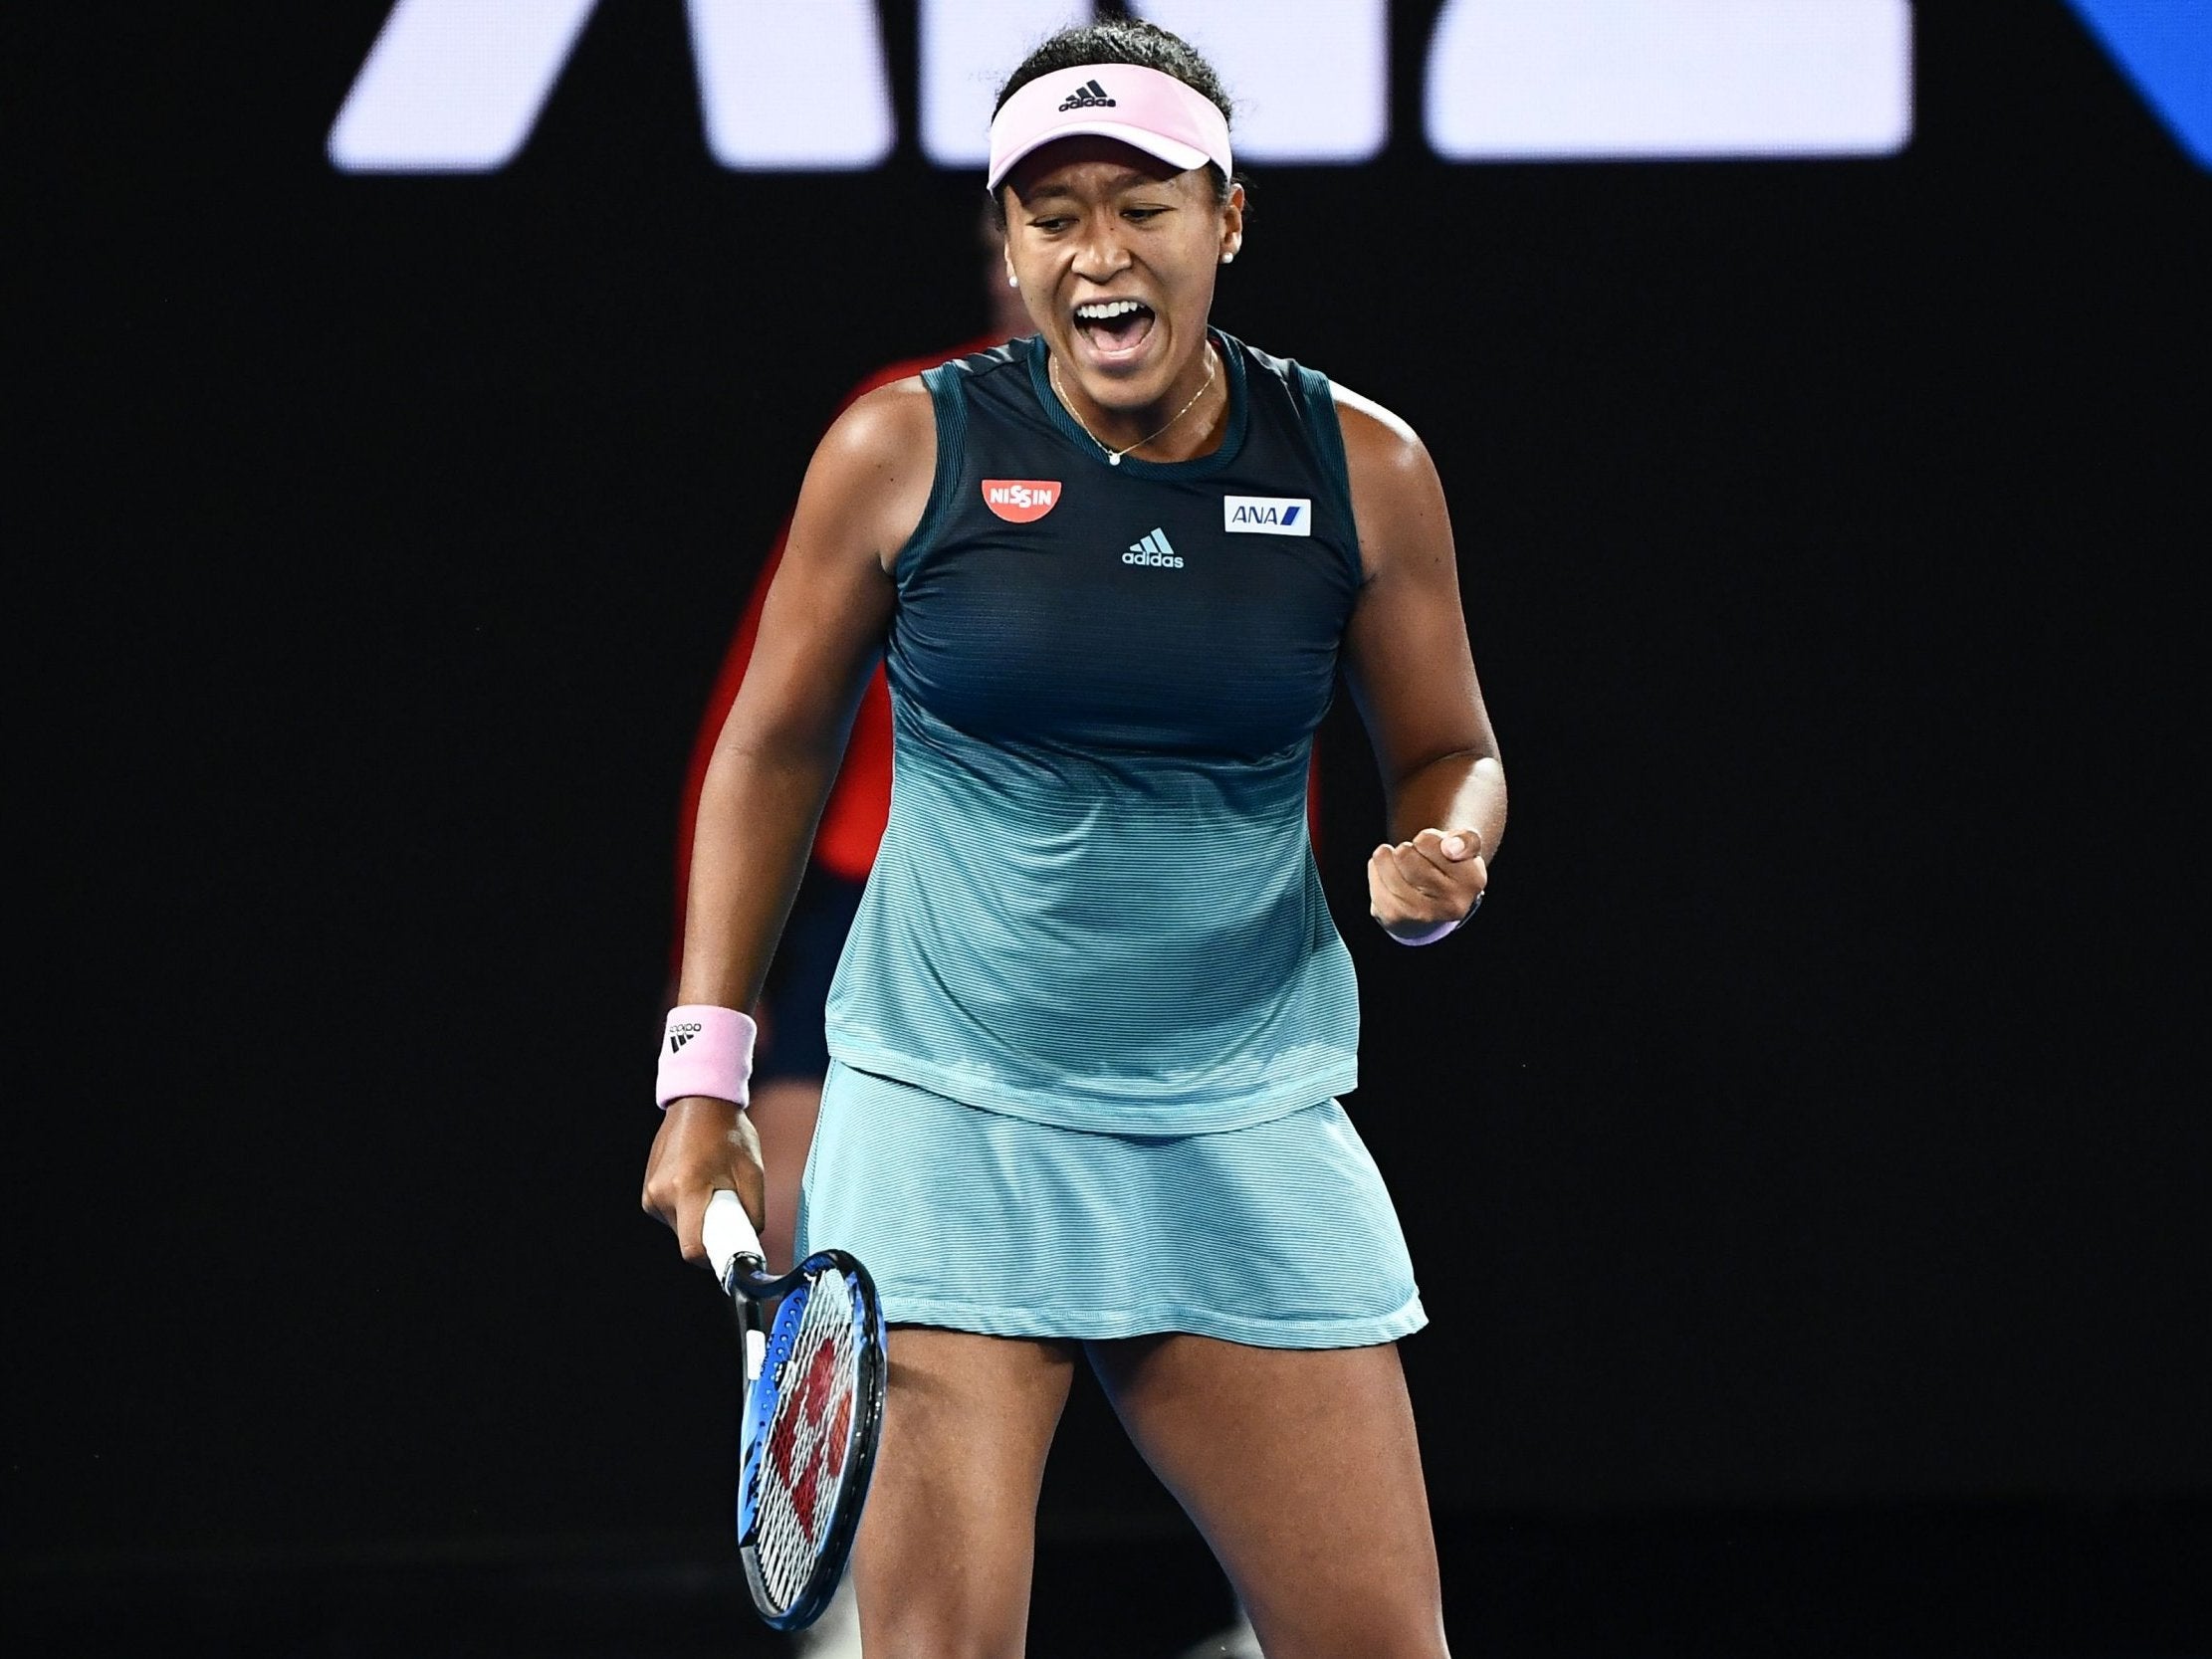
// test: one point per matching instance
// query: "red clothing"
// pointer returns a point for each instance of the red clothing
(859, 803)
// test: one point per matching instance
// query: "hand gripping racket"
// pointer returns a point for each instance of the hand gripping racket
(813, 1411)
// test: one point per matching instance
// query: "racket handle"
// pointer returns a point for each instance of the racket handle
(728, 1234)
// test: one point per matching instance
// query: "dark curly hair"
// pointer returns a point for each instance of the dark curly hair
(1125, 40)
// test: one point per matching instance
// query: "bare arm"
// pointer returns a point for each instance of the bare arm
(778, 755)
(1412, 676)
(820, 632)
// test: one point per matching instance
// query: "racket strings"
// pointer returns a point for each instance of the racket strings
(807, 1439)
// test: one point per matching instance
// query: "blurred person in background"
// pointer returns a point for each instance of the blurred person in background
(792, 1057)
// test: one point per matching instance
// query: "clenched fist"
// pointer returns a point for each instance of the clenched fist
(1420, 890)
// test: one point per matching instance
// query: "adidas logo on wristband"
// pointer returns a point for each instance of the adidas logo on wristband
(709, 1051)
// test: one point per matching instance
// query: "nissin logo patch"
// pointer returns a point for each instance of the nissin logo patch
(1267, 515)
(1021, 500)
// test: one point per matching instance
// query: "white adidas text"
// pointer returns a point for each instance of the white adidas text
(1155, 549)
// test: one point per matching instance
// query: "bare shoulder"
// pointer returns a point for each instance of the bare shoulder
(872, 471)
(884, 428)
(1396, 497)
(1368, 424)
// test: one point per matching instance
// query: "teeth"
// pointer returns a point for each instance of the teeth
(1104, 310)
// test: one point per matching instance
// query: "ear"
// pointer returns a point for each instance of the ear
(1233, 223)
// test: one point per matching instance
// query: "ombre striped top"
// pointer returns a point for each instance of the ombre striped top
(1096, 904)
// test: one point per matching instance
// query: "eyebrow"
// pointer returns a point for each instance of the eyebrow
(1129, 178)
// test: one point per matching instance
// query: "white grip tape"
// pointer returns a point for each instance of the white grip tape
(728, 1234)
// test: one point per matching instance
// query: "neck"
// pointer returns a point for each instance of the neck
(1177, 426)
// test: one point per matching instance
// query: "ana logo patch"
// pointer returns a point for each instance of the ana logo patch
(1021, 500)
(1267, 515)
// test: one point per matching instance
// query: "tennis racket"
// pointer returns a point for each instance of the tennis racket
(813, 1411)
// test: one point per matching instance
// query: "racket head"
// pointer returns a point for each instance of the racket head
(812, 1419)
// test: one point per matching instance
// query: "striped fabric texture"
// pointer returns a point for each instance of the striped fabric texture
(1095, 904)
(1278, 1234)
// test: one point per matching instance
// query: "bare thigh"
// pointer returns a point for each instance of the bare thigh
(948, 1536)
(783, 1112)
(1302, 1468)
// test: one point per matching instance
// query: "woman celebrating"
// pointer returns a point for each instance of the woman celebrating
(1089, 1023)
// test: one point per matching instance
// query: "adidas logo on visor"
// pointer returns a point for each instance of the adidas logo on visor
(1089, 96)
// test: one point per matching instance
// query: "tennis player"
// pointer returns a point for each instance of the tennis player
(1089, 1025)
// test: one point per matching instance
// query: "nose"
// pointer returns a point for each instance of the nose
(1101, 254)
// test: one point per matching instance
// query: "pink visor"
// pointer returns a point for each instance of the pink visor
(1143, 107)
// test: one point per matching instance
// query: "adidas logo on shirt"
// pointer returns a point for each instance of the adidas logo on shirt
(1155, 549)
(1089, 96)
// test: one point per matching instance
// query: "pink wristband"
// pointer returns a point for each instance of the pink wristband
(705, 1050)
(1444, 930)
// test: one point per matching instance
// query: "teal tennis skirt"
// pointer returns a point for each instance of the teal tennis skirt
(1280, 1234)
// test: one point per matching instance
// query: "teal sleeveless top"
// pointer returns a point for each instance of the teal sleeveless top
(1095, 904)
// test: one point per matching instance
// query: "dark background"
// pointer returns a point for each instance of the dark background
(1804, 1157)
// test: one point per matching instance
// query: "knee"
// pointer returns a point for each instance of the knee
(1363, 1627)
(907, 1640)
(942, 1623)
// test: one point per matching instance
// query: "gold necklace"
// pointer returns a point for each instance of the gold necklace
(1113, 456)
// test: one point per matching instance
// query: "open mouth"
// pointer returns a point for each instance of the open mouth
(1114, 328)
